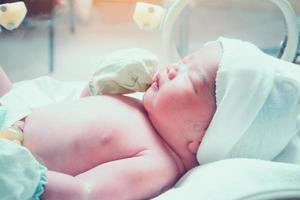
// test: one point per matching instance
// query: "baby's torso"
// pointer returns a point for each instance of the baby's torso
(72, 137)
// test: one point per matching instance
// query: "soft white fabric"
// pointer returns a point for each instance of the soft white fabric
(20, 173)
(237, 179)
(258, 105)
(25, 96)
(124, 71)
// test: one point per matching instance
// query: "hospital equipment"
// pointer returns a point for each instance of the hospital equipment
(289, 51)
(228, 173)
(147, 16)
(12, 14)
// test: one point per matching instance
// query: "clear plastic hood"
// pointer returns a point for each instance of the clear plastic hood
(67, 39)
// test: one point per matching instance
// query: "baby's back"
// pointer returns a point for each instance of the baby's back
(73, 137)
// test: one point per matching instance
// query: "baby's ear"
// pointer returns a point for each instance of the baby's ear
(193, 146)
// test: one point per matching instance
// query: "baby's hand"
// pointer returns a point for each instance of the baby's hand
(124, 71)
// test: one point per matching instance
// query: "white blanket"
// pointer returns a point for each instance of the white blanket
(234, 179)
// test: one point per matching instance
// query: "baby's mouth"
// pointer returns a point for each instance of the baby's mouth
(156, 82)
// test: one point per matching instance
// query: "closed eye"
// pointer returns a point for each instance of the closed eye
(194, 78)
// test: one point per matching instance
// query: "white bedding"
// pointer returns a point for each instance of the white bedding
(234, 179)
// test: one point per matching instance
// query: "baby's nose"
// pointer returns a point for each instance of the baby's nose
(171, 74)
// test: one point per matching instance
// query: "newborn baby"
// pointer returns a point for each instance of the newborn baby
(105, 147)
(116, 147)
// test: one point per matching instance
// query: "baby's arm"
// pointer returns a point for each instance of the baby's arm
(63, 186)
(123, 72)
(138, 177)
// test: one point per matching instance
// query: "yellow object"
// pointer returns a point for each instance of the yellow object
(12, 14)
(148, 16)
(124, 71)
(13, 134)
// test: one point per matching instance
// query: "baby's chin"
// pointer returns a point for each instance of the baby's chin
(148, 99)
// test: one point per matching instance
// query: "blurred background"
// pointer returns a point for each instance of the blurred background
(66, 39)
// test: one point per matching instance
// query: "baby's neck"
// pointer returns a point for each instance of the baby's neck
(185, 159)
(182, 166)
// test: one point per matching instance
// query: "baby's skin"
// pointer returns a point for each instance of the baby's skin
(106, 143)
(116, 147)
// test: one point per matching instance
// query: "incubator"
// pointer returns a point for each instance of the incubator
(288, 47)
(12, 15)
(56, 30)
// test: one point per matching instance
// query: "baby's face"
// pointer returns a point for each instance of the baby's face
(180, 104)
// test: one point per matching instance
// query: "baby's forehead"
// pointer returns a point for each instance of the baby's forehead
(192, 67)
(193, 62)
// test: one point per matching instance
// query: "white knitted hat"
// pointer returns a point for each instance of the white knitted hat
(257, 108)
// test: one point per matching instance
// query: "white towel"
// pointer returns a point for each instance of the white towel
(258, 105)
(236, 179)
